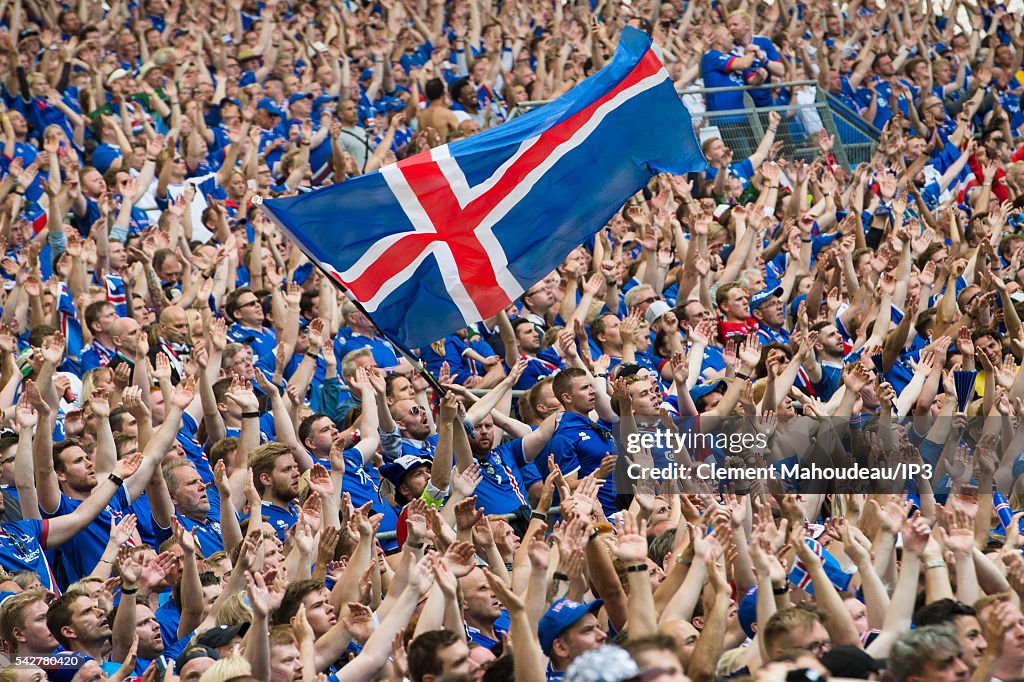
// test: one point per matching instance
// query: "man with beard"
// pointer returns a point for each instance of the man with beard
(79, 625)
(528, 340)
(172, 340)
(193, 506)
(65, 478)
(502, 489)
(22, 543)
(826, 371)
(415, 428)
(275, 474)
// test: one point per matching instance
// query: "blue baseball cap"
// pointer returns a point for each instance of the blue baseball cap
(746, 612)
(795, 305)
(396, 471)
(248, 78)
(231, 100)
(760, 297)
(268, 105)
(562, 615)
(323, 100)
(297, 96)
(701, 390)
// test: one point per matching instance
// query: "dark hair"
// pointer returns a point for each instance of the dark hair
(563, 381)
(500, 670)
(661, 545)
(423, 653)
(519, 322)
(434, 89)
(58, 450)
(220, 450)
(93, 311)
(292, 600)
(942, 611)
(38, 333)
(59, 614)
(231, 303)
(306, 301)
(456, 88)
(116, 419)
(306, 425)
(206, 579)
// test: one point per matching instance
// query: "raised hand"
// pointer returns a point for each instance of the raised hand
(631, 539)
(128, 465)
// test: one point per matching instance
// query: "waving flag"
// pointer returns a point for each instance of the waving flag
(801, 577)
(453, 235)
(70, 327)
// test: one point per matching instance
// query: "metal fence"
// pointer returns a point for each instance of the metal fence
(808, 110)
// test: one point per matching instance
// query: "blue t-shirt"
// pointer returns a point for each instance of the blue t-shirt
(502, 489)
(714, 69)
(104, 155)
(80, 554)
(536, 369)
(262, 342)
(208, 533)
(742, 171)
(21, 549)
(280, 519)
(579, 445)
(362, 483)
(762, 97)
(169, 618)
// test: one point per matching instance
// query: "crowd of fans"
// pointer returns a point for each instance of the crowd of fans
(214, 468)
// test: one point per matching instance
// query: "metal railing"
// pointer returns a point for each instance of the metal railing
(809, 110)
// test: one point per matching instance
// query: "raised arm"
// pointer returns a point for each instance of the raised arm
(63, 528)
(158, 446)
(42, 452)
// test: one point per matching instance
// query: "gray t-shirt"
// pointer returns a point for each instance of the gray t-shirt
(356, 141)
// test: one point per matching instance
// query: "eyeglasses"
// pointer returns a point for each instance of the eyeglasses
(652, 299)
(816, 648)
(249, 303)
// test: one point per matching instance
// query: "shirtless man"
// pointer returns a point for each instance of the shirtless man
(437, 115)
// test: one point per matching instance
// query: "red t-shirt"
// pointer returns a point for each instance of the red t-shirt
(730, 329)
